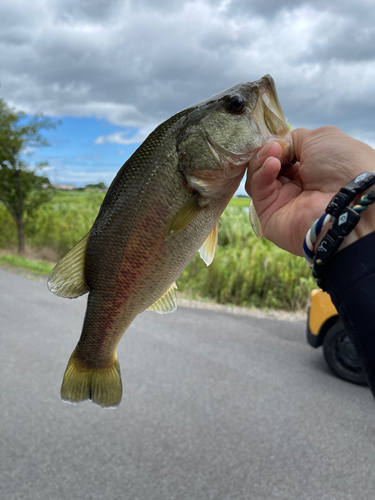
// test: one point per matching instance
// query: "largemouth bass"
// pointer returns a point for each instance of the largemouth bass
(162, 207)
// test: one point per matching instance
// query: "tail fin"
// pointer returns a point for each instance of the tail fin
(102, 385)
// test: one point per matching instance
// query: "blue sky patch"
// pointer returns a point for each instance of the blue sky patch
(75, 158)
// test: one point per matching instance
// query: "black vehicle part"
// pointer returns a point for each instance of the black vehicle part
(340, 355)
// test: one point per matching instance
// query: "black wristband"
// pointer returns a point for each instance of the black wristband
(346, 220)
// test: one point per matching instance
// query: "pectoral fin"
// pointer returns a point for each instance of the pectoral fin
(167, 302)
(67, 278)
(184, 216)
(255, 222)
(207, 250)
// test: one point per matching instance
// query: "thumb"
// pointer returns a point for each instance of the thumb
(272, 149)
(263, 185)
(299, 135)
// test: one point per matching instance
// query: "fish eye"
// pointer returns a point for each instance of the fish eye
(236, 104)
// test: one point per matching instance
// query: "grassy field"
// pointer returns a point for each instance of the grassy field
(58, 225)
(240, 202)
(61, 223)
(245, 271)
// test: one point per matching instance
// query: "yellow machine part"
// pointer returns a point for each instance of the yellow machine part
(321, 309)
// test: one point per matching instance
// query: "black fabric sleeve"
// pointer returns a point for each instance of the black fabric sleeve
(350, 280)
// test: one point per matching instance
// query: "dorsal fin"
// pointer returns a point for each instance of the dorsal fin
(167, 302)
(207, 250)
(67, 278)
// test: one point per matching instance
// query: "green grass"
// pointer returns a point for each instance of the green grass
(37, 267)
(62, 222)
(248, 272)
(245, 271)
(57, 225)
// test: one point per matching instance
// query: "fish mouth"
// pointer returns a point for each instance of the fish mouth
(267, 123)
(264, 122)
(270, 121)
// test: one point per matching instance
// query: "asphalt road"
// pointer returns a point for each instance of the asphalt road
(215, 406)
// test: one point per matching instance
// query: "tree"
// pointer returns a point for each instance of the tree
(100, 185)
(21, 190)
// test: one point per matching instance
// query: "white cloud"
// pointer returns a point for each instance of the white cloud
(72, 175)
(124, 137)
(135, 63)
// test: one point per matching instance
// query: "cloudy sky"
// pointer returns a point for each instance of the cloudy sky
(114, 69)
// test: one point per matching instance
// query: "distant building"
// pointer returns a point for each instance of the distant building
(65, 187)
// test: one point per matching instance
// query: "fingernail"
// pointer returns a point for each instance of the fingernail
(263, 152)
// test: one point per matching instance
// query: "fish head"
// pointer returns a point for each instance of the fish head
(224, 132)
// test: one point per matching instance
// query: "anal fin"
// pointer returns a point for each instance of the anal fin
(207, 250)
(167, 302)
(67, 278)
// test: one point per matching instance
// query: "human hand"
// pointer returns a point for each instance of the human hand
(289, 199)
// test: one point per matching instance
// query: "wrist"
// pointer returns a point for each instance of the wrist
(365, 226)
(345, 218)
